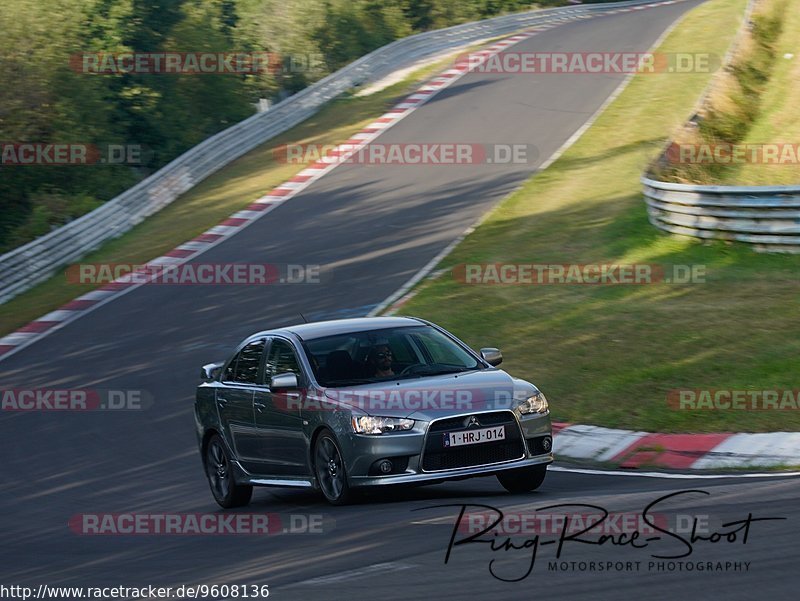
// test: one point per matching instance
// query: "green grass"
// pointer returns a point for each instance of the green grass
(778, 120)
(227, 191)
(607, 355)
(751, 103)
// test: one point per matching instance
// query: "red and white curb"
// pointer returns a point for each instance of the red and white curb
(637, 450)
(190, 250)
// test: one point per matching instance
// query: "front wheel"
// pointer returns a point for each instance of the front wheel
(330, 471)
(226, 492)
(524, 479)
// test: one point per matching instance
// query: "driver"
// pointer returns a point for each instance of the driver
(379, 361)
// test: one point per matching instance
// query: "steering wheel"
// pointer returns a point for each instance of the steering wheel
(413, 368)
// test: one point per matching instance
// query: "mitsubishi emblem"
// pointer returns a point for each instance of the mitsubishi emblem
(472, 421)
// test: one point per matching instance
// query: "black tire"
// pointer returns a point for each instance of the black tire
(330, 470)
(524, 479)
(227, 493)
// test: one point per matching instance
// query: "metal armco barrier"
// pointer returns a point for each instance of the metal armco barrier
(766, 216)
(34, 262)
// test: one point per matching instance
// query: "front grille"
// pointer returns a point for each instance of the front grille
(437, 457)
(451, 424)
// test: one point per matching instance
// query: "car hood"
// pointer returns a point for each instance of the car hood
(434, 397)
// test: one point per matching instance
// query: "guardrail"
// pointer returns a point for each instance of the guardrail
(768, 217)
(34, 262)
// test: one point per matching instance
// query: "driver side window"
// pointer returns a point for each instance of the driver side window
(244, 367)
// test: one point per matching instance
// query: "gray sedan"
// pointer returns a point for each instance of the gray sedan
(353, 403)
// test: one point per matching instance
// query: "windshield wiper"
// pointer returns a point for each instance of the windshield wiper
(440, 371)
(351, 382)
(457, 370)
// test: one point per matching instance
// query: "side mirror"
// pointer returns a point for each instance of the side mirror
(492, 356)
(210, 371)
(283, 381)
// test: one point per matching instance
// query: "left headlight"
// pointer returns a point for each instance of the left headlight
(368, 424)
(536, 403)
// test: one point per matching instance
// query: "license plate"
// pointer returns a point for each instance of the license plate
(476, 436)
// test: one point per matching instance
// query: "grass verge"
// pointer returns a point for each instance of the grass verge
(752, 105)
(608, 355)
(778, 120)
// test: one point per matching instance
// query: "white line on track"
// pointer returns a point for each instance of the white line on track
(669, 476)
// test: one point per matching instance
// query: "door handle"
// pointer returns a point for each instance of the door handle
(260, 406)
(221, 401)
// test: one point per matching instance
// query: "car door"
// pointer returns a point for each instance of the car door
(281, 442)
(234, 398)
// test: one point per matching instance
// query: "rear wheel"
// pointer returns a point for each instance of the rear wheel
(524, 479)
(226, 492)
(330, 471)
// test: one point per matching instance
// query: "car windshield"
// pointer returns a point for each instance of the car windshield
(387, 354)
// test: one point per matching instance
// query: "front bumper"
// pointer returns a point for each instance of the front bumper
(362, 452)
(444, 476)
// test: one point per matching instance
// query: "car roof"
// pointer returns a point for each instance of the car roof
(320, 329)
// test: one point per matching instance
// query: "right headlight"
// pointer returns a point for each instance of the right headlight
(536, 403)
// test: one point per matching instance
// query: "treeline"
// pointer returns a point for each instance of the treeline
(47, 96)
